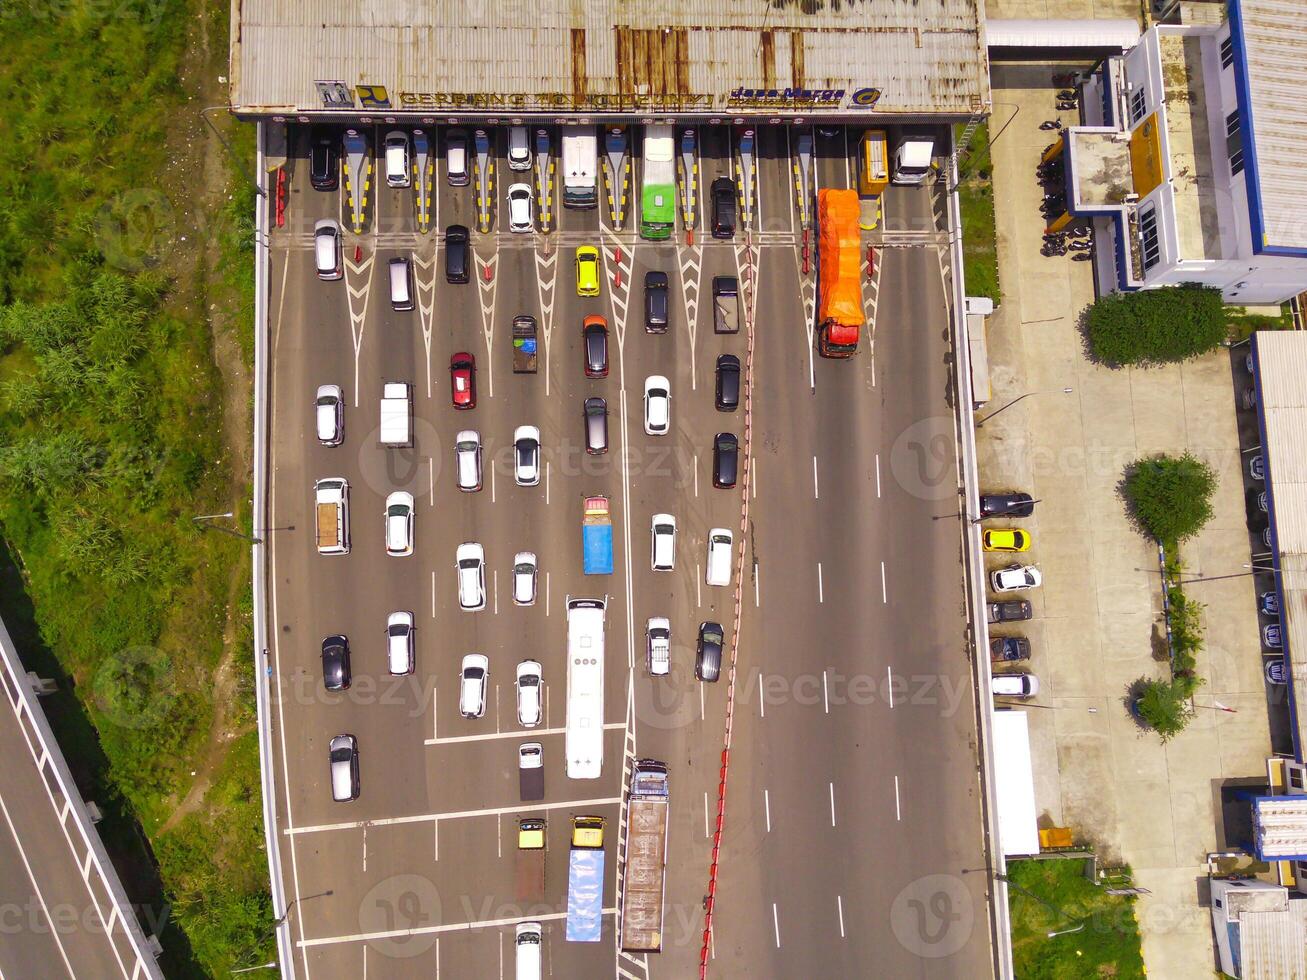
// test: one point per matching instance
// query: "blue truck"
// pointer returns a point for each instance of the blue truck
(597, 537)
(585, 880)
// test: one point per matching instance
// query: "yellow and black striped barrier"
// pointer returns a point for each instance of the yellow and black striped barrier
(358, 210)
(689, 191)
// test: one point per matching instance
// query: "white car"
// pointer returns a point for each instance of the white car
(519, 148)
(329, 409)
(530, 700)
(396, 149)
(658, 643)
(718, 569)
(663, 531)
(470, 563)
(327, 249)
(399, 524)
(657, 405)
(524, 578)
(519, 208)
(526, 455)
(467, 460)
(1014, 578)
(1014, 685)
(472, 686)
(399, 643)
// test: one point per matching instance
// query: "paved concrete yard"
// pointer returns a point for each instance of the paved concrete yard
(1150, 805)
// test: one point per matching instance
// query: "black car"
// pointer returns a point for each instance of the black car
(728, 383)
(594, 339)
(596, 426)
(725, 460)
(655, 302)
(1006, 505)
(1012, 611)
(723, 208)
(1005, 649)
(335, 663)
(708, 657)
(324, 168)
(457, 254)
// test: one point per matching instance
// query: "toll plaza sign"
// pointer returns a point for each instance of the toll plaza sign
(740, 99)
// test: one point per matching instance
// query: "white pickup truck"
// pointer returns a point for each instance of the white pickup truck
(331, 502)
(397, 414)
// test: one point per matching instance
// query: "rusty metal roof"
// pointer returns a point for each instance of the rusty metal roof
(881, 56)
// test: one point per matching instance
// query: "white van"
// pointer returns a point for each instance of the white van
(528, 950)
(663, 529)
(470, 560)
(401, 285)
(720, 541)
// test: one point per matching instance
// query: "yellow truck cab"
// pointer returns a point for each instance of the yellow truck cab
(531, 834)
(588, 832)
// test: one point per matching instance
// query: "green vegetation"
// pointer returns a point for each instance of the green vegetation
(1054, 895)
(1155, 326)
(976, 199)
(1170, 497)
(111, 438)
(1242, 323)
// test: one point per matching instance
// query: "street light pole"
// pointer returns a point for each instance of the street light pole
(202, 522)
(1046, 391)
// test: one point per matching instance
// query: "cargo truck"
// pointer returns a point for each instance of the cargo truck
(913, 158)
(585, 880)
(839, 273)
(725, 304)
(646, 858)
(524, 345)
(397, 414)
(331, 501)
(597, 537)
(531, 837)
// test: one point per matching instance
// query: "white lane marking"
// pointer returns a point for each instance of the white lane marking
(546, 484)
(832, 804)
(839, 907)
(889, 684)
(756, 601)
(884, 594)
(847, 182)
(435, 828)
(499, 834)
(825, 692)
(365, 937)
(698, 585)
(437, 957)
(878, 474)
(495, 575)
(776, 924)
(815, 494)
(766, 807)
(696, 474)
(821, 592)
(898, 812)
(546, 593)
(365, 849)
(431, 478)
(433, 595)
(492, 481)
(50, 924)
(753, 477)
(705, 814)
(453, 815)
(536, 733)
(702, 716)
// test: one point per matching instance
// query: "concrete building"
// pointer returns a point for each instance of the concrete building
(608, 60)
(1189, 161)
(1260, 929)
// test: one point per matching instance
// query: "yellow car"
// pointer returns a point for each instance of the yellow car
(1005, 539)
(587, 271)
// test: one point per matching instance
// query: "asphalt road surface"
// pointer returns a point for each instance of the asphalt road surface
(853, 805)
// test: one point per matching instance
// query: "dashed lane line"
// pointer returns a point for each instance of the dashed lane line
(453, 815)
(366, 937)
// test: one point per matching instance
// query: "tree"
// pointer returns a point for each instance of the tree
(1170, 497)
(1161, 705)
(1155, 326)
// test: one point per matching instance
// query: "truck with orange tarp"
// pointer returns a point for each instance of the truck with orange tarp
(839, 273)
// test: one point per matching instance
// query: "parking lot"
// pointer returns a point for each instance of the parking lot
(853, 786)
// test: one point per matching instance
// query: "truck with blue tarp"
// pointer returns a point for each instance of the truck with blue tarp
(597, 537)
(585, 880)
(524, 345)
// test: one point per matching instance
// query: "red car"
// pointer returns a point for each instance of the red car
(463, 380)
(594, 337)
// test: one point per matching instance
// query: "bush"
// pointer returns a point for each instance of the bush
(1161, 705)
(1155, 326)
(1170, 497)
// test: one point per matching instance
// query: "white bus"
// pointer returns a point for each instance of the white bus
(584, 739)
(580, 168)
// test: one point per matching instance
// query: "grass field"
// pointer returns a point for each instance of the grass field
(976, 199)
(1100, 934)
(118, 254)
